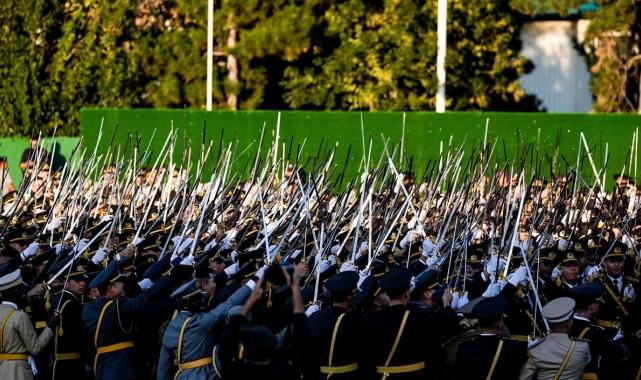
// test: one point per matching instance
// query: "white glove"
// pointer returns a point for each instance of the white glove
(31, 250)
(145, 283)
(563, 244)
(556, 272)
(323, 266)
(189, 261)
(362, 275)
(428, 248)
(334, 249)
(431, 261)
(629, 293)
(348, 266)
(232, 269)
(80, 246)
(592, 272)
(185, 244)
(211, 245)
(463, 300)
(519, 276)
(99, 256)
(493, 289)
(138, 240)
(53, 224)
(490, 267)
(456, 297)
(59, 247)
(312, 309)
(260, 273)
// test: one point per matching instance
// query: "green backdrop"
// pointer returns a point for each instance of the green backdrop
(424, 132)
(12, 148)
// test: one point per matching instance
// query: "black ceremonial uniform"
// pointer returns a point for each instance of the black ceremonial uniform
(396, 342)
(68, 346)
(598, 342)
(476, 358)
(333, 332)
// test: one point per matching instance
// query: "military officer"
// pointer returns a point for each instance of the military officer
(489, 356)
(557, 356)
(18, 338)
(68, 346)
(568, 278)
(333, 332)
(621, 296)
(395, 342)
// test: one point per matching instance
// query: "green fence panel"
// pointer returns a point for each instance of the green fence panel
(12, 148)
(543, 135)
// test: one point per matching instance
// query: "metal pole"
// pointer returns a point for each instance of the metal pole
(440, 55)
(210, 50)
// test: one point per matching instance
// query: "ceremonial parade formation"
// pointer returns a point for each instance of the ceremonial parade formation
(125, 263)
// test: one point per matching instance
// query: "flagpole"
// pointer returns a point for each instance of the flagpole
(210, 50)
(440, 54)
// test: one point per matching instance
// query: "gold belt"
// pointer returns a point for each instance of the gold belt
(610, 324)
(41, 324)
(589, 376)
(339, 369)
(5, 357)
(195, 363)
(401, 368)
(114, 347)
(520, 338)
(68, 356)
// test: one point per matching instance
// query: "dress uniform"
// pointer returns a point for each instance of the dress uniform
(109, 323)
(395, 343)
(333, 333)
(557, 356)
(188, 340)
(69, 340)
(621, 296)
(603, 352)
(18, 338)
(488, 356)
(562, 286)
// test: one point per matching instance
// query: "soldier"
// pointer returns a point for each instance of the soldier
(489, 356)
(188, 339)
(68, 347)
(18, 340)
(602, 350)
(109, 322)
(557, 356)
(333, 332)
(395, 342)
(620, 296)
(568, 278)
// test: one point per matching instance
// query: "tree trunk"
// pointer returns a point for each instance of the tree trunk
(232, 64)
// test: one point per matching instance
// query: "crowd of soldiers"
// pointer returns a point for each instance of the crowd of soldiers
(110, 271)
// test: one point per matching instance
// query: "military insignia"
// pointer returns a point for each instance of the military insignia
(80, 268)
(617, 250)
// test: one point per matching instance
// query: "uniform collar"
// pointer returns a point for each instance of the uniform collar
(582, 319)
(13, 305)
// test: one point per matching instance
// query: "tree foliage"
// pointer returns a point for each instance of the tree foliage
(59, 56)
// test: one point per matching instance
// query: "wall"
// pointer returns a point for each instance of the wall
(538, 137)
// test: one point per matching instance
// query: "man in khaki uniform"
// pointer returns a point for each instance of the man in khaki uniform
(18, 338)
(557, 356)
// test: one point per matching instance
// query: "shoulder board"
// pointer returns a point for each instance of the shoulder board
(580, 340)
(632, 279)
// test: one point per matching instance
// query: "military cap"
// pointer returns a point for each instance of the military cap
(42, 257)
(548, 254)
(369, 288)
(397, 279)
(247, 270)
(108, 275)
(475, 255)
(467, 309)
(579, 248)
(426, 280)
(77, 269)
(569, 258)
(257, 343)
(11, 280)
(9, 197)
(149, 243)
(617, 251)
(126, 264)
(157, 269)
(186, 291)
(342, 284)
(558, 310)
(587, 293)
(15, 235)
(491, 308)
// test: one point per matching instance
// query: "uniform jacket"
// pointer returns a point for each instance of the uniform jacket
(19, 336)
(545, 359)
